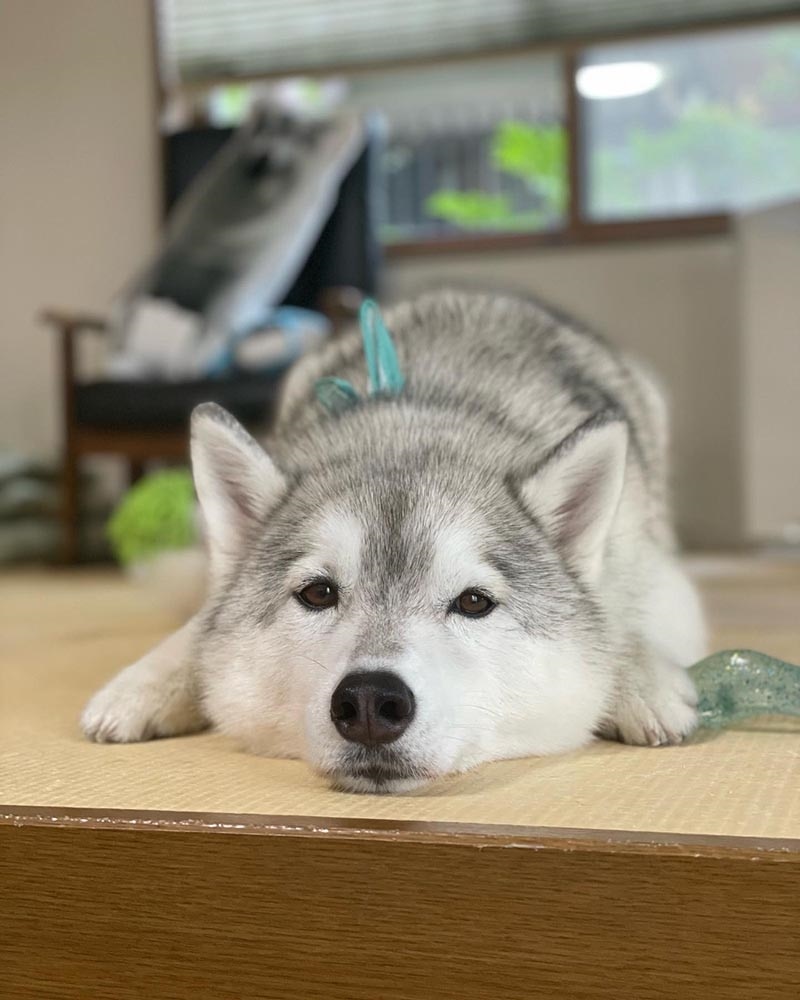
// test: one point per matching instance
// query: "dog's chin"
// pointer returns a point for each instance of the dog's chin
(364, 785)
(378, 774)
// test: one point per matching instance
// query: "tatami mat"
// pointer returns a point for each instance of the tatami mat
(63, 634)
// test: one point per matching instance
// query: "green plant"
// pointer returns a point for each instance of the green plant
(154, 515)
(538, 155)
(534, 153)
(469, 209)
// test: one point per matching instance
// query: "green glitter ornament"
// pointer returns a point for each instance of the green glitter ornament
(155, 515)
(740, 684)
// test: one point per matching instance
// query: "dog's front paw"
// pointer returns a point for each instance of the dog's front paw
(153, 697)
(121, 712)
(659, 711)
(137, 706)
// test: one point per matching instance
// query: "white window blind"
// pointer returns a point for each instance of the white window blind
(206, 39)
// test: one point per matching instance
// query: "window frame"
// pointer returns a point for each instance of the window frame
(578, 229)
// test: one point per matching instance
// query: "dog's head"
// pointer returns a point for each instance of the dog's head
(396, 620)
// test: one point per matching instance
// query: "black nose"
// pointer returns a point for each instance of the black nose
(372, 708)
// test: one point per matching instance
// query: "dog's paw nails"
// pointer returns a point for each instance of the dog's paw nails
(666, 725)
(665, 716)
(132, 708)
(111, 718)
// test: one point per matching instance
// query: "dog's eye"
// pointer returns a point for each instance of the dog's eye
(318, 595)
(473, 604)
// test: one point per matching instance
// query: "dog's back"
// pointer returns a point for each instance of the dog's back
(513, 372)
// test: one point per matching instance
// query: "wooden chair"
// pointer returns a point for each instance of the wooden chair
(145, 421)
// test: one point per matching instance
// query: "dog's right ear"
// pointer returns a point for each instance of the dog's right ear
(236, 481)
(575, 492)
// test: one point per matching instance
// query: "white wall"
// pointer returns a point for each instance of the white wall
(674, 303)
(769, 287)
(78, 183)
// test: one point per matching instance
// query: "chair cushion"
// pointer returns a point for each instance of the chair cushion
(167, 405)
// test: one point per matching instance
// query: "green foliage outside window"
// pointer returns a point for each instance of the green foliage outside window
(537, 154)
(724, 152)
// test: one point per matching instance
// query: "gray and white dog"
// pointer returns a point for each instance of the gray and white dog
(482, 567)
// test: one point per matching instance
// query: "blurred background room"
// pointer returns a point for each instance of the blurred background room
(195, 192)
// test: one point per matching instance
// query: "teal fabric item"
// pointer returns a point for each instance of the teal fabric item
(336, 394)
(384, 376)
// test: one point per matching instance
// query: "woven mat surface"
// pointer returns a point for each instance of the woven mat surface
(63, 634)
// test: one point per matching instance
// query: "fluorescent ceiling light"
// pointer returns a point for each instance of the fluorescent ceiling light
(607, 81)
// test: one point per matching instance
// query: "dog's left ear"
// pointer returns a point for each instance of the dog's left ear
(236, 481)
(575, 492)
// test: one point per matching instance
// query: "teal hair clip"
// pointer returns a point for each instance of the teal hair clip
(384, 377)
(336, 394)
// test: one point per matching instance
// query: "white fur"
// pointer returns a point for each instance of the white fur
(577, 496)
(153, 697)
(272, 693)
(274, 696)
(599, 646)
(234, 477)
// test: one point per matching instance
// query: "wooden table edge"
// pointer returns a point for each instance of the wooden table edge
(479, 835)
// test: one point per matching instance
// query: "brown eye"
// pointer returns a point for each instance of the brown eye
(473, 604)
(319, 595)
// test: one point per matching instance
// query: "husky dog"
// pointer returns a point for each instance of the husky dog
(481, 567)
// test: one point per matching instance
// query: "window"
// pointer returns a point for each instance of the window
(671, 133)
(470, 147)
(693, 124)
